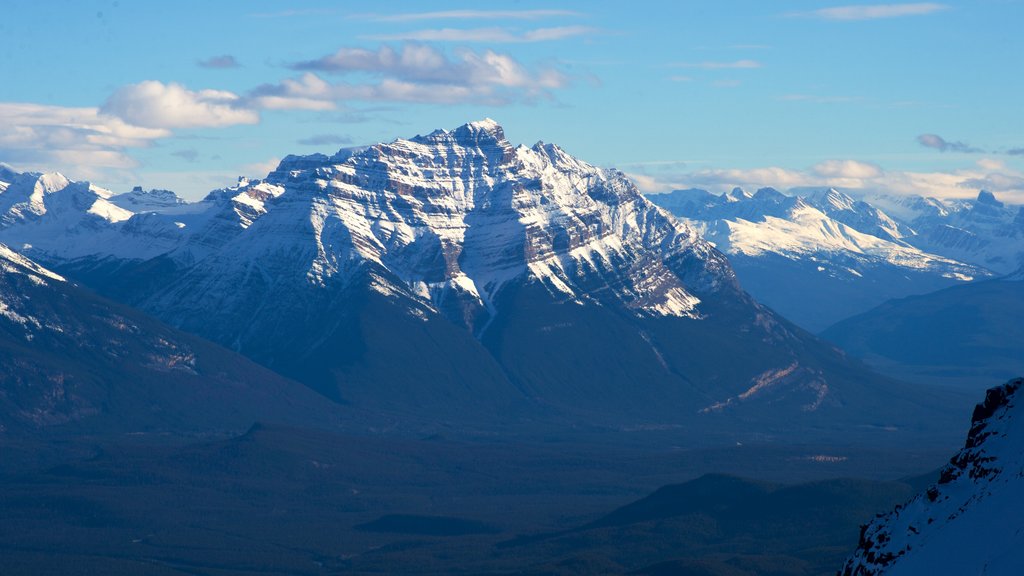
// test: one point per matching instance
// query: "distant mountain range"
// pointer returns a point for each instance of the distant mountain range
(968, 336)
(453, 274)
(968, 522)
(819, 256)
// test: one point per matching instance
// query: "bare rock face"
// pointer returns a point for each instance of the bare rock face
(970, 521)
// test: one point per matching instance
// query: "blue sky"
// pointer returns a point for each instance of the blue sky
(920, 97)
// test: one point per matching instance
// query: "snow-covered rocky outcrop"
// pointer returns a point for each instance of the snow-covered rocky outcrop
(454, 217)
(970, 522)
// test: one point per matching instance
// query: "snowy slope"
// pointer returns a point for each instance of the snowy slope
(818, 257)
(982, 231)
(458, 215)
(970, 521)
(54, 219)
(825, 222)
(79, 226)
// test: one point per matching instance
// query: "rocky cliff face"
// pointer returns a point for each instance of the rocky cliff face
(970, 521)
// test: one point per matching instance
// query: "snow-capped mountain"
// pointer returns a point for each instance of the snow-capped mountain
(139, 200)
(453, 270)
(970, 521)
(71, 362)
(61, 222)
(458, 215)
(816, 257)
(982, 231)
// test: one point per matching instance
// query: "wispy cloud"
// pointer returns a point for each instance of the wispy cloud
(713, 65)
(187, 154)
(872, 11)
(733, 83)
(1015, 151)
(493, 35)
(942, 145)
(295, 13)
(468, 15)
(326, 140)
(222, 61)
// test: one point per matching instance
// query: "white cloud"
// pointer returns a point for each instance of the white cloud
(415, 73)
(307, 92)
(652, 184)
(847, 169)
(261, 169)
(493, 35)
(873, 12)
(417, 62)
(157, 105)
(851, 175)
(469, 15)
(79, 140)
(716, 178)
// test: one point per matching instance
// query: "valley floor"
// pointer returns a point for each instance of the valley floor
(286, 501)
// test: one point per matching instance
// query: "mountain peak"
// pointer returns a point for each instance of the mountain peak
(140, 200)
(481, 132)
(737, 194)
(769, 193)
(986, 197)
(484, 133)
(487, 124)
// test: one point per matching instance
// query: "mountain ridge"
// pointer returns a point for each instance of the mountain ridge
(818, 256)
(455, 273)
(969, 521)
